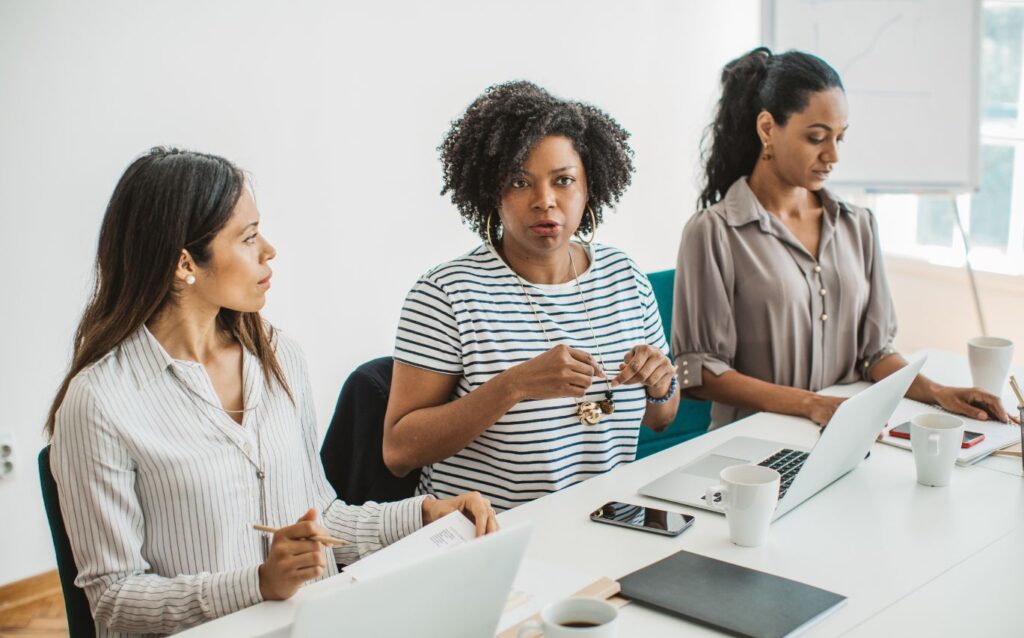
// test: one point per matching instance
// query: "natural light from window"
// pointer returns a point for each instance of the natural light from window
(924, 227)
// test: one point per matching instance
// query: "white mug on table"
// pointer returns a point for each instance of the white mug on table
(936, 440)
(990, 359)
(573, 618)
(749, 494)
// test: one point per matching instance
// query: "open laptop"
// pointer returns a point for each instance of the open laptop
(841, 447)
(458, 593)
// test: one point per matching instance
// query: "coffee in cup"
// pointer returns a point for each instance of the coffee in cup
(573, 618)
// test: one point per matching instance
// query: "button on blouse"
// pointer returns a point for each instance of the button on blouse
(750, 297)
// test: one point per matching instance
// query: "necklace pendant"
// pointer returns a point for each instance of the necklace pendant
(260, 474)
(607, 406)
(588, 413)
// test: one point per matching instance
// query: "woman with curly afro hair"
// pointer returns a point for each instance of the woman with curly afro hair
(528, 364)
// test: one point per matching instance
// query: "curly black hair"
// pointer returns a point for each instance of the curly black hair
(490, 142)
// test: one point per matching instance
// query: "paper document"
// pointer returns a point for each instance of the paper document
(997, 435)
(448, 531)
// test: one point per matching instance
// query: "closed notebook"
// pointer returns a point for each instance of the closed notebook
(740, 601)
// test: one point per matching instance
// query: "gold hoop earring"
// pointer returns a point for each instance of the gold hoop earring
(593, 228)
(488, 230)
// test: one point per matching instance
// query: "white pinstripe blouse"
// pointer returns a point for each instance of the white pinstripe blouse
(159, 489)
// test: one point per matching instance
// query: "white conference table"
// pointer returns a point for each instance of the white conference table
(912, 560)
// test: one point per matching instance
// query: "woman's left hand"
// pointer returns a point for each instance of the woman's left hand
(972, 402)
(647, 365)
(476, 508)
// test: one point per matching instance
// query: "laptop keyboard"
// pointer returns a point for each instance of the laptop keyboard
(787, 463)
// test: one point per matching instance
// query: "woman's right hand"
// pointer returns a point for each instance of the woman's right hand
(560, 372)
(294, 558)
(821, 408)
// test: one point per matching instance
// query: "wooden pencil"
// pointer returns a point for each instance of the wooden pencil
(329, 541)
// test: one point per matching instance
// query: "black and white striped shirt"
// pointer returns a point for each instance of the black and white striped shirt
(469, 318)
(159, 489)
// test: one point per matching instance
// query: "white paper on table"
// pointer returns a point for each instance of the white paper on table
(997, 435)
(444, 533)
(538, 584)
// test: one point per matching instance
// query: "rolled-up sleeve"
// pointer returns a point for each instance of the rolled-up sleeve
(878, 324)
(703, 324)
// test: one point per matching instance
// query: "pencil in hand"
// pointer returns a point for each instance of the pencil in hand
(329, 541)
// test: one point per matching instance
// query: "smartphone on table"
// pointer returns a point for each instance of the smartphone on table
(902, 431)
(648, 519)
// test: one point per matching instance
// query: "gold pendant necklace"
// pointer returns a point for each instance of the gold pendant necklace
(588, 412)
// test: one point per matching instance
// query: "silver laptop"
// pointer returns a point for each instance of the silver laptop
(841, 447)
(459, 593)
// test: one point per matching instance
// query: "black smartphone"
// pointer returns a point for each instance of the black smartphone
(648, 519)
(902, 431)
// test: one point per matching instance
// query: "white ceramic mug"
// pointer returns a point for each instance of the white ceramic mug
(936, 440)
(990, 359)
(749, 494)
(573, 618)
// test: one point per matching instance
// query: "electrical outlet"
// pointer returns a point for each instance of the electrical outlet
(7, 451)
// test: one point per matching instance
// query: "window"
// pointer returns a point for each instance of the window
(993, 218)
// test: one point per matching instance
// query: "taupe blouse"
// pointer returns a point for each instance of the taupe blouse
(749, 297)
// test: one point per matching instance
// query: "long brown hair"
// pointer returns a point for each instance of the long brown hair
(167, 200)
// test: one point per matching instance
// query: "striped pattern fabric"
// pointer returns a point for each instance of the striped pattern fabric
(159, 491)
(469, 318)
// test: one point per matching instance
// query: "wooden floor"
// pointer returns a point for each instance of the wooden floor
(33, 607)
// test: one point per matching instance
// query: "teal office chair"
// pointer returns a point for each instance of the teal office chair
(76, 605)
(693, 417)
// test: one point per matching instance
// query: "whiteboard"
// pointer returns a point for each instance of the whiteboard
(911, 71)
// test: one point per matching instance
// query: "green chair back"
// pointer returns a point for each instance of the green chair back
(693, 417)
(76, 605)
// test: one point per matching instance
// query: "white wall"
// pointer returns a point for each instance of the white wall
(935, 306)
(336, 109)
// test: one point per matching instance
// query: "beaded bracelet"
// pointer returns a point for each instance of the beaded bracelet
(668, 395)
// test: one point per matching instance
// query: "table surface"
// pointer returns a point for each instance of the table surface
(909, 558)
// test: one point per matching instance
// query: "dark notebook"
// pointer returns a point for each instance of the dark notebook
(734, 599)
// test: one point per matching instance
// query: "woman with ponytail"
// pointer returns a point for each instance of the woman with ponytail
(185, 418)
(780, 286)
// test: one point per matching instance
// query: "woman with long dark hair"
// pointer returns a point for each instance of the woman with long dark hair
(780, 287)
(185, 418)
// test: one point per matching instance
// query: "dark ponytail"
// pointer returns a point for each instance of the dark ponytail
(757, 81)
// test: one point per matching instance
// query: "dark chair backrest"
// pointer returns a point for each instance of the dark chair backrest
(76, 605)
(352, 451)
